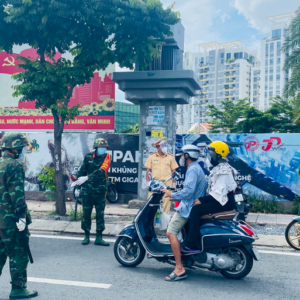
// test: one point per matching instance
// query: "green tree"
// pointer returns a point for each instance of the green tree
(95, 32)
(131, 129)
(243, 118)
(292, 62)
(226, 119)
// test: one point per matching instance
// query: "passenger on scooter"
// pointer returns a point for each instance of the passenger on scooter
(219, 197)
(194, 187)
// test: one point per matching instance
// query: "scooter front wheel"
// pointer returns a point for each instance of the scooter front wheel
(127, 253)
(244, 263)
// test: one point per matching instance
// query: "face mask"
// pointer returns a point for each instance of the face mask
(21, 154)
(164, 149)
(181, 163)
(101, 151)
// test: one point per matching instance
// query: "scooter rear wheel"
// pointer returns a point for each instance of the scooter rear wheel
(129, 255)
(243, 268)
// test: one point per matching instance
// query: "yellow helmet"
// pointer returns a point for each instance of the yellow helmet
(220, 148)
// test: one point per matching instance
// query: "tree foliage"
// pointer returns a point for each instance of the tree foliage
(243, 118)
(95, 32)
(131, 129)
(292, 61)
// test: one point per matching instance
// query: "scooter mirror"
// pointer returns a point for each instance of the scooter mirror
(150, 176)
(176, 176)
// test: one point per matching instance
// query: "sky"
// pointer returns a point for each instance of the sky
(226, 21)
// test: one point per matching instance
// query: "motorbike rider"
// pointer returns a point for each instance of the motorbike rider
(219, 197)
(193, 188)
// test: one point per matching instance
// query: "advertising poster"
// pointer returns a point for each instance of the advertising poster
(268, 163)
(96, 100)
(123, 149)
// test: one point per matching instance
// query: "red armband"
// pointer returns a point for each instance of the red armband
(106, 163)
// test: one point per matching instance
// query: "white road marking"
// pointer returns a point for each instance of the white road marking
(62, 237)
(71, 283)
(279, 253)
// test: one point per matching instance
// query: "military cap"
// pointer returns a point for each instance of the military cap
(156, 144)
(100, 143)
(13, 140)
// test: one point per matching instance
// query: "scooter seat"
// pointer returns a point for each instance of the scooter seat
(223, 215)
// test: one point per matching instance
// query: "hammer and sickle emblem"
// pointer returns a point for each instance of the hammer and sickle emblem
(10, 62)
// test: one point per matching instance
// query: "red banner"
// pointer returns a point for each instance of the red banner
(96, 100)
(46, 123)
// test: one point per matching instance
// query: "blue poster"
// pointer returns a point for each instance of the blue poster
(269, 163)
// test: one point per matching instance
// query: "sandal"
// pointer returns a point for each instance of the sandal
(174, 277)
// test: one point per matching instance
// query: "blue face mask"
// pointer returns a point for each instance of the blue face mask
(101, 151)
(21, 154)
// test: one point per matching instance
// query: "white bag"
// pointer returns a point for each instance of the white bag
(163, 220)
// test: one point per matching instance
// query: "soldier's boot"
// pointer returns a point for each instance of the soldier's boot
(22, 294)
(99, 241)
(86, 239)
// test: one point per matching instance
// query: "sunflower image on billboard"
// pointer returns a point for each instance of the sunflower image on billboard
(96, 100)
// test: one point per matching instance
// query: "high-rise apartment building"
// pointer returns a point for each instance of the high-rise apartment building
(225, 71)
(273, 78)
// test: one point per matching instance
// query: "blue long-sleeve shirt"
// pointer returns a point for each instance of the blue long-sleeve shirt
(194, 187)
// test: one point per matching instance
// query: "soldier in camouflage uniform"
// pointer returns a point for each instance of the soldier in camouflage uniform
(92, 179)
(14, 215)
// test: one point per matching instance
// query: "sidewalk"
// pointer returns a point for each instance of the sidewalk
(118, 216)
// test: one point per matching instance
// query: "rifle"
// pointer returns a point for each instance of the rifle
(25, 241)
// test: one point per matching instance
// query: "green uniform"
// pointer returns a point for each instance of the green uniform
(12, 207)
(93, 191)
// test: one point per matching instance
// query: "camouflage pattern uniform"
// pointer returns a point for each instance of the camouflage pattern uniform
(13, 207)
(93, 191)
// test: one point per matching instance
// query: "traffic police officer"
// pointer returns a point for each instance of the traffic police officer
(162, 164)
(92, 177)
(14, 215)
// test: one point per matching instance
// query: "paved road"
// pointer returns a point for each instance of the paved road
(275, 277)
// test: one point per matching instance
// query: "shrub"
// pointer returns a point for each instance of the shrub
(47, 178)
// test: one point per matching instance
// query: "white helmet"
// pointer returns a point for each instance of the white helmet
(192, 151)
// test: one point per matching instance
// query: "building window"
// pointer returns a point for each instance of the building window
(266, 94)
(271, 70)
(255, 79)
(255, 86)
(278, 61)
(276, 33)
(271, 86)
(271, 61)
(238, 55)
(271, 94)
(278, 85)
(272, 46)
(277, 77)
(267, 70)
(266, 62)
(256, 72)
(278, 69)
(222, 55)
(278, 92)
(228, 56)
(266, 86)
(271, 77)
(246, 55)
(222, 61)
(266, 78)
(255, 93)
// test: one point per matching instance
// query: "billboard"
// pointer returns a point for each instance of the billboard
(268, 163)
(96, 100)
